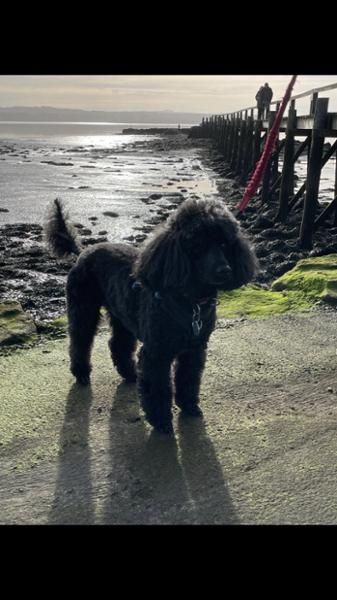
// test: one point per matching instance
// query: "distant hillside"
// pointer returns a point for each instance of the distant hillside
(47, 113)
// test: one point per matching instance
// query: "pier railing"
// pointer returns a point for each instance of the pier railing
(240, 137)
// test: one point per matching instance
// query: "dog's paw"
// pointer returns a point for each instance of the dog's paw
(192, 410)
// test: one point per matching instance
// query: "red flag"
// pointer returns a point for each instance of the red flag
(268, 148)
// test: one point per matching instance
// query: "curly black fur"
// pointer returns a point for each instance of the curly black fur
(163, 295)
(59, 233)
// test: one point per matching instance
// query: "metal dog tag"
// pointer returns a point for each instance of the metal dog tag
(196, 326)
(196, 321)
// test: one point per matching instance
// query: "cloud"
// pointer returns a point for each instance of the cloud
(192, 93)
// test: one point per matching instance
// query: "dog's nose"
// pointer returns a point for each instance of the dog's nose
(223, 270)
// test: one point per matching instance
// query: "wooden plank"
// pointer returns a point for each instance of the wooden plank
(298, 196)
(313, 102)
(315, 165)
(325, 214)
(323, 88)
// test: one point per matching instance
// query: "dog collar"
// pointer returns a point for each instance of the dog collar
(196, 322)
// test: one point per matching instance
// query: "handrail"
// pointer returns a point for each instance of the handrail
(331, 86)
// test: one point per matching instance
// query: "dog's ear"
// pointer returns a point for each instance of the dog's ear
(245, 262)
(163, 264)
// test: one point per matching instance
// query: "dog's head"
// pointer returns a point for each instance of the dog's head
(200, 247)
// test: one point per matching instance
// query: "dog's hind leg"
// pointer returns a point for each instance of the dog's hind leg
(188, 372)
(122, 346)
(83, 317)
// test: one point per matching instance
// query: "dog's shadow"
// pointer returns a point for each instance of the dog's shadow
(73, 496)
(155, 479)
(152, 477)
(203, 474)
(145, 471)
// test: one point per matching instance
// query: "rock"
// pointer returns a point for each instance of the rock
(290, 233)
(15, 325)
(316, 277)
(294, 256)
(102, 232)
(4, 210)
(277, 245)
(91, 241)
(57, 164)
(263, 222)
(155, 196)
(261, 250)
(283, 267)
(110, 213)
(270, 234)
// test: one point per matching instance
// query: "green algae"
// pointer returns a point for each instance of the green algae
(314, 277)
(254, 301)
(16, 326)
(310, 282)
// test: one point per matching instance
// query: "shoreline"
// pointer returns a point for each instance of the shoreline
(29, 275)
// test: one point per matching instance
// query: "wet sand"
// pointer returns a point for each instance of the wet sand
(173, 169)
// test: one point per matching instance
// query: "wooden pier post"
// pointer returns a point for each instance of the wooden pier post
(242, 140)
(287, 181)
(314, 173)
(248, 150)
(231, 140)
(223, 136)
(226, 137)
(335, 214)
(257, 142)
(275, 155)
(235, 143)
(267, 173)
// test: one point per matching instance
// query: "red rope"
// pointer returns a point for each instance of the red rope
(268, 148)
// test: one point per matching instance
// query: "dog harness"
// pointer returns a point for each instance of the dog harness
(196, 321)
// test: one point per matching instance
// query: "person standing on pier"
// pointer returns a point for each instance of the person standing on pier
(263, 98)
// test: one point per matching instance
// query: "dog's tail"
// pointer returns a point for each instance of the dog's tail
(60, 235)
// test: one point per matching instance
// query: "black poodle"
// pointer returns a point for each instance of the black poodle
(163, 295)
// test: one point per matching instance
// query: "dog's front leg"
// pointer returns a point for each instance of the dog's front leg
(189, 368)
(155, 388)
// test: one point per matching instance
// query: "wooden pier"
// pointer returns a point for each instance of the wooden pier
(240, 138)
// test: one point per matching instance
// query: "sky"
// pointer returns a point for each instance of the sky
(180, 93)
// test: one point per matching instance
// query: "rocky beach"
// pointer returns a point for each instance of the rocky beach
(85, 455)
(167, 168)
(173, 170)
